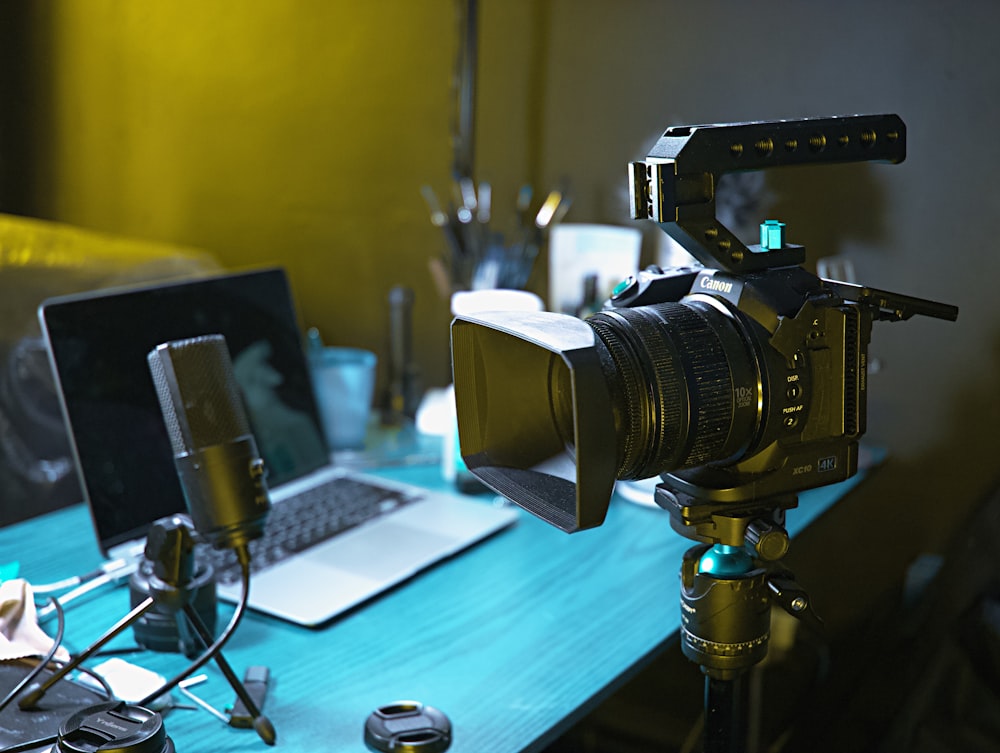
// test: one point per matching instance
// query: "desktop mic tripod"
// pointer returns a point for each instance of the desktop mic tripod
(726, 596)
(170, 547)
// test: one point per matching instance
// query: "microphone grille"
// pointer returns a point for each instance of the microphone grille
(198, 392)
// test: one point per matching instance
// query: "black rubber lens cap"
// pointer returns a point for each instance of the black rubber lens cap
(407, 727)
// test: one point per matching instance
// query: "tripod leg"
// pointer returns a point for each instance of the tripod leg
(37, 690)
(261, 723)
(725, 720)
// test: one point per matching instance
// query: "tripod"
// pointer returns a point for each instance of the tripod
(170, 547)
(726, 595)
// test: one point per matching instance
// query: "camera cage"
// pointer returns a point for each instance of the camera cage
(728, 510)
(675, 187)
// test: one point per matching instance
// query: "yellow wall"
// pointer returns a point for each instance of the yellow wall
(296, 132)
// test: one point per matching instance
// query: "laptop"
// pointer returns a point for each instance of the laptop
(98, 343)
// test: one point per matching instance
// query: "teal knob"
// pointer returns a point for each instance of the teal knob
(622, 286)
(772, 235)
(725, 561)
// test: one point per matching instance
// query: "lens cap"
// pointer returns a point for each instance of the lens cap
(116, 726)
(407, 727)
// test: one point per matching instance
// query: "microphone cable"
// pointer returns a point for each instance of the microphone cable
(48, 659)
(219, 642)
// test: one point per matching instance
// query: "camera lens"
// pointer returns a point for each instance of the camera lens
(561, 401)
(684, 383)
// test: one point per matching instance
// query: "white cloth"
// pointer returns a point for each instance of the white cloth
(20, 634)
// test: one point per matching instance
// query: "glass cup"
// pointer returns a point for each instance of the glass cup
(344, 381)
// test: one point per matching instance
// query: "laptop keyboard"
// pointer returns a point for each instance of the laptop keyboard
(310, 518)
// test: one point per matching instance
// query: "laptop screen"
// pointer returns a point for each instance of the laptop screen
(98, 343)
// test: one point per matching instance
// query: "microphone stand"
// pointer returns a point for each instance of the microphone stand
(170, 546)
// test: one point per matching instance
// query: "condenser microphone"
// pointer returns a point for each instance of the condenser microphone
(215, 453)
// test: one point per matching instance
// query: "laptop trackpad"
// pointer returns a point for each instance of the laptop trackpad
(382, 550)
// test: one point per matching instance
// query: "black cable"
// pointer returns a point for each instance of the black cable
(123, 651)
(99, 679)
(37, 670)
(244, 559)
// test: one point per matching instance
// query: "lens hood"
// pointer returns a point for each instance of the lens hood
(521, 381)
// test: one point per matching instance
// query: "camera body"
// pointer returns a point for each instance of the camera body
(795, 385)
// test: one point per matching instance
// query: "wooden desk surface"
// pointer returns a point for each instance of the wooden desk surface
(514, 639)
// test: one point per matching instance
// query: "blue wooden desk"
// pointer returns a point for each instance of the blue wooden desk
(514, 639)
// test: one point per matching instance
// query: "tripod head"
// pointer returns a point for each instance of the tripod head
(727, 585)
